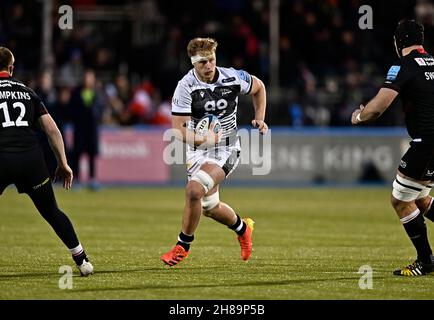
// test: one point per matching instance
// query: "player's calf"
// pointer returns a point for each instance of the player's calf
(194, 192)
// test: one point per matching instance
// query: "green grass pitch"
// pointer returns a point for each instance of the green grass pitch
(308, 244)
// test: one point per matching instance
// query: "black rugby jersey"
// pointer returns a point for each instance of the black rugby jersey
(413, 78)
(20, 108)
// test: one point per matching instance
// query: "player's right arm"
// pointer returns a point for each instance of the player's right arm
(181, 117)
(63, 171)
(397, 77)
(187, 135)
(375, 108)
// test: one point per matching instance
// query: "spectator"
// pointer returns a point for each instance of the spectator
(139, 111)
(46, 91)
(86, 112)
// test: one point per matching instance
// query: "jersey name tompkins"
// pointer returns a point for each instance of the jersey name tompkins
(413, 78)
(20, 108)
(195, 98)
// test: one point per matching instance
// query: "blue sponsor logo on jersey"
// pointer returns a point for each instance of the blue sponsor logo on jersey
(393, 73)
(243, 75)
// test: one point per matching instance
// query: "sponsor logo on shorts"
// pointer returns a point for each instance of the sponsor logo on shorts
(41, 184)
(429, 173)
(403, 164)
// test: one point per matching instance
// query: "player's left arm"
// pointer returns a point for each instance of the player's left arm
(259, 96)
(375, 108)
(55, 139)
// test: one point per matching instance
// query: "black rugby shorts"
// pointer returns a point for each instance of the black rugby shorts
(27, 170)
(418, 161)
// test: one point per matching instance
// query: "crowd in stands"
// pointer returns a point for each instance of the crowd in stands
(137, 50)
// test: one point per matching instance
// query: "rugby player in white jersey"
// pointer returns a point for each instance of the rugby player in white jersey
(211, 158)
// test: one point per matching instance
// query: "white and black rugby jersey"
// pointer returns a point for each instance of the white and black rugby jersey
(195, 98)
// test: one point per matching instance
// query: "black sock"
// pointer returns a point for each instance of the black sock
(429, 214)
(185, 240)
(79, 258)
(240, 225)
(416, 231)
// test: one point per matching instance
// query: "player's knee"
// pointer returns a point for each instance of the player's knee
(423, 203)
(397, 204)
(194, 192)
(209, 203)
(204, 179)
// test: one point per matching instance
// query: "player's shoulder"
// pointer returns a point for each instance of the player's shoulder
(16, 85)
(226, 70)
(13, 82)
(417, 59)
(231, 72)
(399, 66)
(408, 60)
(407, 66)
(188, 78)
(24, 86)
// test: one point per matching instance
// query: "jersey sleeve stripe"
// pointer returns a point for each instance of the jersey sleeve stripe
(391, 86)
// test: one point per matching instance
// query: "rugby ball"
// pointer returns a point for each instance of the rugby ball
(203, 125)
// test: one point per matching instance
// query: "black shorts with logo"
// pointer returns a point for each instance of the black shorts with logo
(27, 170)
(418, 161)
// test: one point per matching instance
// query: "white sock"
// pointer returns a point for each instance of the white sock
(77, 250)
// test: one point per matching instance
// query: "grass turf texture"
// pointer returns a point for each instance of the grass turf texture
(308, 244)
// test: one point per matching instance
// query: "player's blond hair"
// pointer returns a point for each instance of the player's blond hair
(204, 46)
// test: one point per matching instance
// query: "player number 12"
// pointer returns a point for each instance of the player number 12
(19, 122)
